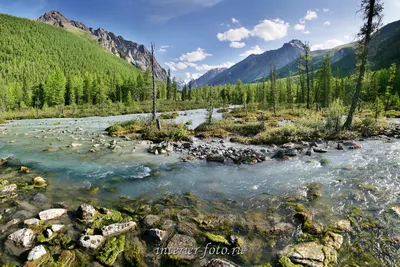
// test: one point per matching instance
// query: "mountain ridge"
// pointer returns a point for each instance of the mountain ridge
(257, 66)
(134, 53)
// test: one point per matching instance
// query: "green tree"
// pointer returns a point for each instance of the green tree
(55, 88)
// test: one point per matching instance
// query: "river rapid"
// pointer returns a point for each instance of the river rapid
(366, 178)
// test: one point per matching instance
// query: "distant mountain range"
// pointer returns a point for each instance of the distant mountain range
(134, 53)
(385, 50)
(205, 79)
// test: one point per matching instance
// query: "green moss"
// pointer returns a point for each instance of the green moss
(116, 180)
(93, 190)
(66, 259)
(217, 239)
(313, 191)
(169, 116)
(110, 251)
(113, 216)
(324, 162)
(286, 262)
(43, 239)
(134, 254)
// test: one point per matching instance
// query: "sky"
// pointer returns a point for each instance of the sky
(194, 36)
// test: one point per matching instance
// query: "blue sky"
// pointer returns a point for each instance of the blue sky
(194, 36)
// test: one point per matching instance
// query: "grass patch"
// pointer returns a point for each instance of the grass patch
(149, 131)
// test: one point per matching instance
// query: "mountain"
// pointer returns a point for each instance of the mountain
(31, 50)
(337, 54)
(257, 66)
(203, 80)
(384, 50)
(134, 53)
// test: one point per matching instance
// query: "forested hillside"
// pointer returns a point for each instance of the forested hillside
(44, 65)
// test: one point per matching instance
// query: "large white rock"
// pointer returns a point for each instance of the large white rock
(36, 253)
(8, 188)
(117, 228)
(51, 214)
(23, 236)
(91, 241)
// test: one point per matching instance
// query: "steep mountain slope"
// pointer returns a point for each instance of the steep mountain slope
(337, 54)
(257, 66)
(31, 50)
(134, 53)
(385, 50)
(203, 80)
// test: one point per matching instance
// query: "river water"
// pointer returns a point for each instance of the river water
(43, 145)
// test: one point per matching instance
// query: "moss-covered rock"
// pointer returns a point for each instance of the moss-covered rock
(110, 251)
(286, 262)
(134, 252)
(217, 239)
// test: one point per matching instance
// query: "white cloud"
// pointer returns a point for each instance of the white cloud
(206, 67)
(326, 9)
(194, 56)
(299, 27)
(327, 23)
(234, 35)
(187, 77)
(176, 66)
(302, 21)
(307, 32)
(327, 45)
(163, 49)
(237, 44)
(235, 20)
(311, 15)
(254, 50)
(347, 37)
(270, 30)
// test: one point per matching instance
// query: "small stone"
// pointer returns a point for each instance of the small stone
(23, 236)
(39, 198)
(344, 225)
(51, 214)
(91, 241)
(8, 189)
(39, 182)
(32, 221)
(36, 253)
(86, 212)
(57, 227)
(178, 242)
(48, 233)
(150, 220)
(158, 234)
(117, 228)
(219, 263)
(75, 145)
(24, 169)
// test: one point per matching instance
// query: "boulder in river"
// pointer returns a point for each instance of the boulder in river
(36, 253)
(25, 237)
(117, 228)
(86, 212)
(91, 241)
(216, 158)
(186, 247)
(51, 214)
(158, 234)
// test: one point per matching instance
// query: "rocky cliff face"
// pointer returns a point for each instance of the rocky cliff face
(134, 53)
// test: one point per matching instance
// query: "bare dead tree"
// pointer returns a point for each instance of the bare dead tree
(154, 85)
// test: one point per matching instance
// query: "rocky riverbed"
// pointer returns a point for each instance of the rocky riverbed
(77, 197)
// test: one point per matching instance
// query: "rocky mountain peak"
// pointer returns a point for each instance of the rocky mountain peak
(136, 54)
(54, 18)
